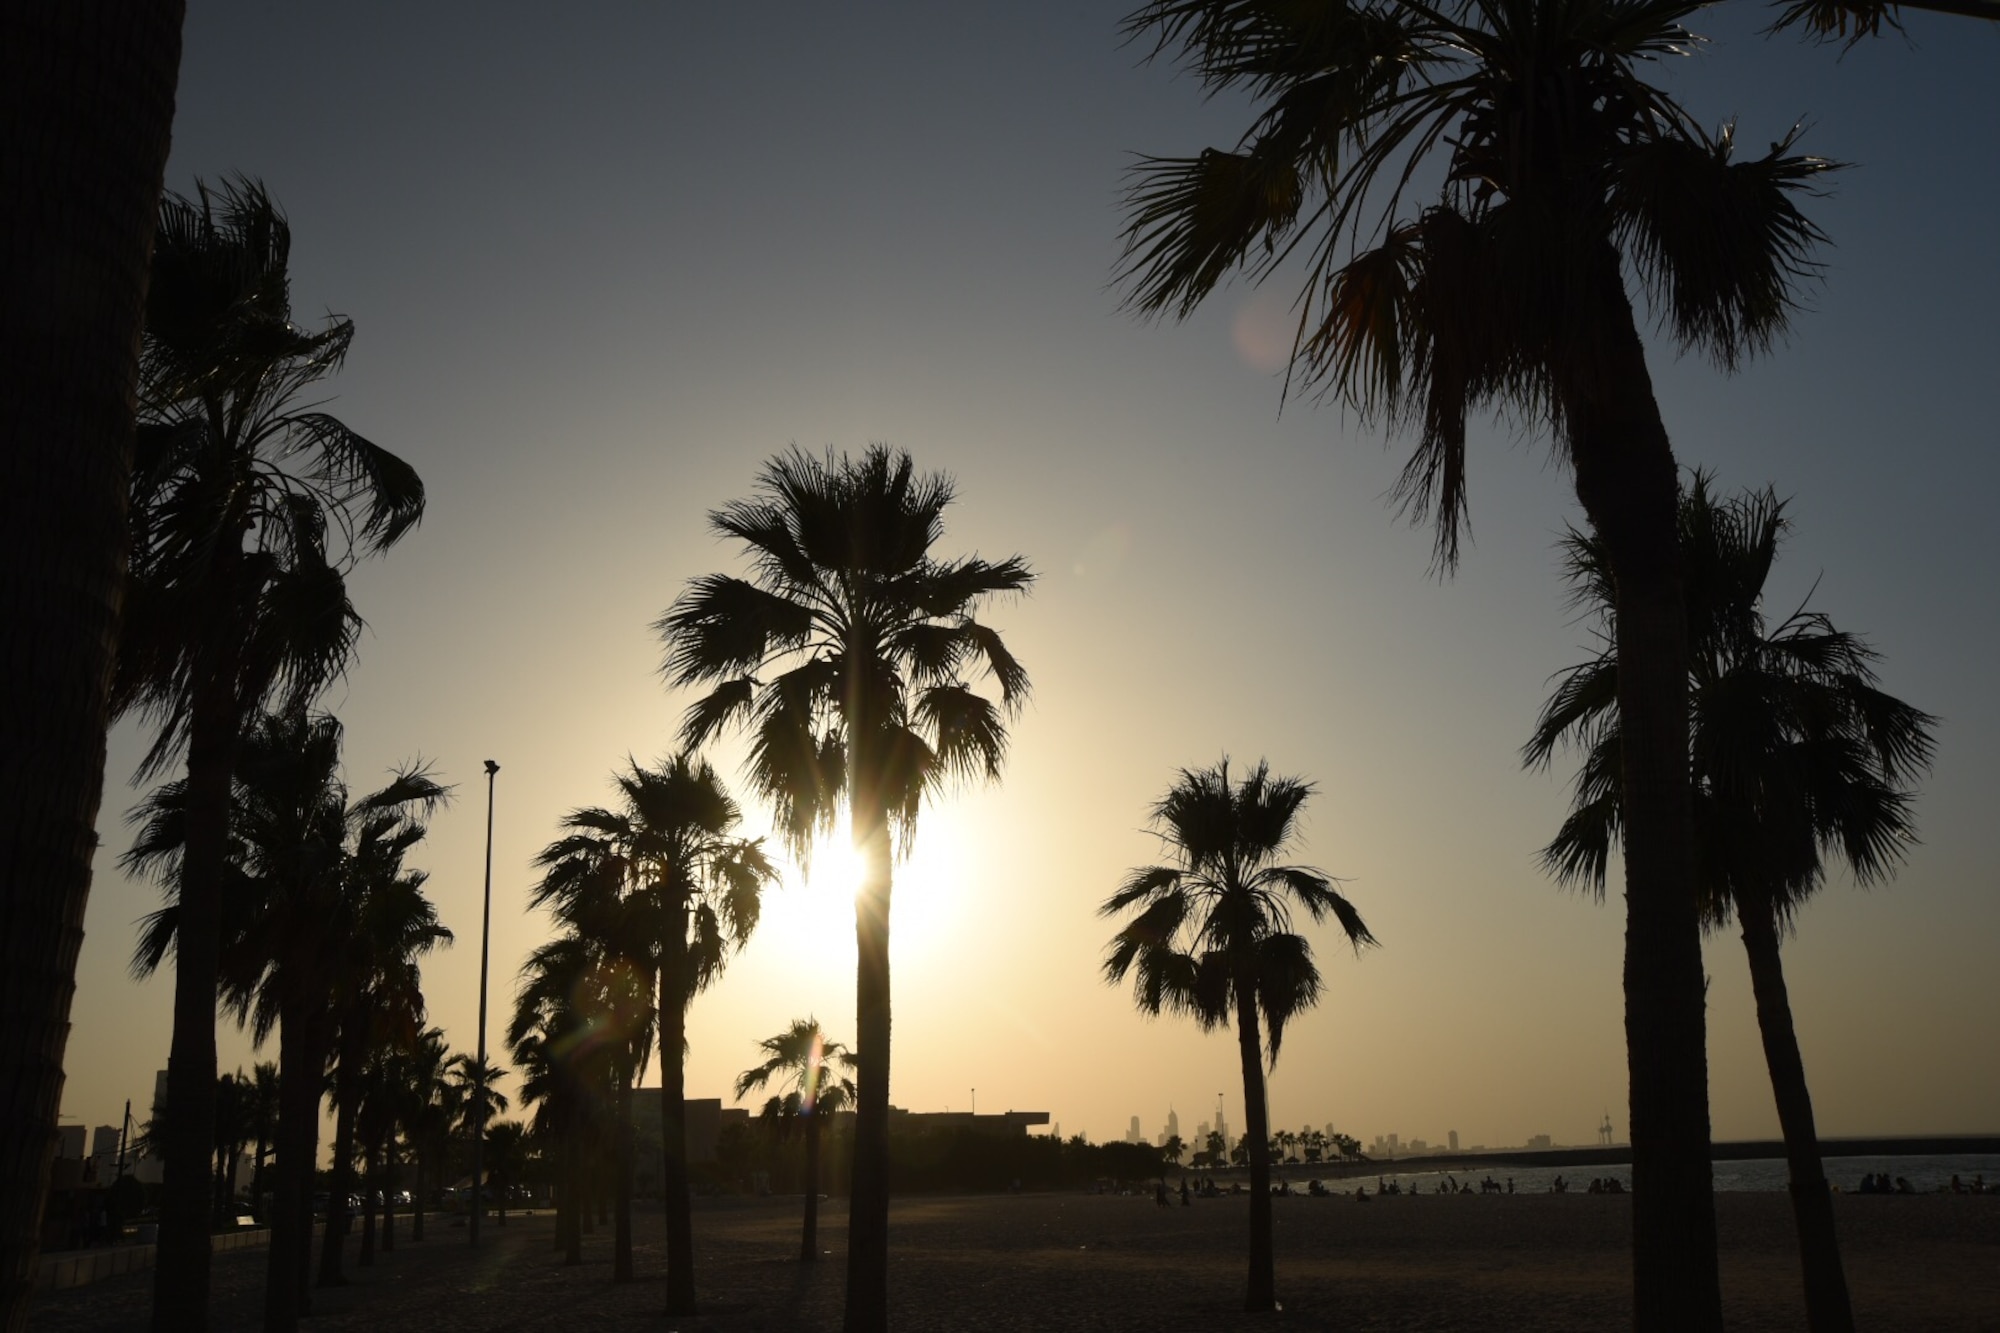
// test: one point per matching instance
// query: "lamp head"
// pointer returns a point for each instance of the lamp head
(491, 768)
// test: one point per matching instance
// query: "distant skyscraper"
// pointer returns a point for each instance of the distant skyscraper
(1133, 1134)
(1453, 1137)
(1173, 1122)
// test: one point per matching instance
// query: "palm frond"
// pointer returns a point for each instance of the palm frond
(1720, 242)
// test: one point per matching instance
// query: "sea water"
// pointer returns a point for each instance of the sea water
(1925, 1174)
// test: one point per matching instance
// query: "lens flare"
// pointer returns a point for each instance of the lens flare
(815, 1066)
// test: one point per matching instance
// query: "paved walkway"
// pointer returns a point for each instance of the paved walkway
(1037, 1263)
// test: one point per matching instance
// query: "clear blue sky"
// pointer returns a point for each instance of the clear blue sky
(605, 259)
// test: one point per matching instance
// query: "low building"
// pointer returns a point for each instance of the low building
(1006, 1122)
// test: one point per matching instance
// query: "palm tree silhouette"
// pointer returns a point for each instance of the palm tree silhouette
(476, 1100)
(301, 854)
(1797, 756)
(1562, 170)
(683, 895)
(426, 1117)
(246, 509)
(817, 1072)
(1210, 937)
(846, 655)
(582, 1028)
(377, 994)
(90, 107)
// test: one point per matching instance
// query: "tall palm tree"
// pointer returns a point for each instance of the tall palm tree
(476, 1100)
(663, 874)
(847, 655)
(378, 1001)
(1210, 937)
(264, 1125)
(818, 1075)
(426, 1117)
(246, 509)
(507, 1149)
(301, 853)
(86, 115)
(581, 1030)
(1561, 171)
(545, 1053)
(1797, 756)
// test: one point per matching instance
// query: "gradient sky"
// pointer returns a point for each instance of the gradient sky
(604, 260)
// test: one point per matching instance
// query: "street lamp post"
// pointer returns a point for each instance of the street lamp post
(479, 1076)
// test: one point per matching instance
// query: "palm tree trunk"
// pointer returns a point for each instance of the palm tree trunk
(621, 1241)
(347, 1090)
(1262, 1294)
(417, 1156)
(389, 1174)
(809, 1243)
(371, 1168)
(1827, 1306)
(1627, 481)
(180, 1272)
(86, 104)
(673, 1117)
(302, 1058)
(867, 1308)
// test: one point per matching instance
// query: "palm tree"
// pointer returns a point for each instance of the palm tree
(89, 107)
(680, 893)
(231, 1128)
(426, 1116)
(476, 1100)
(377, 994)
(1211, 938)
(581, 1031)
(1561, 170)
(300, 853)
(846, 655)
(547, 1054)
(263, 1125)
(237, 593)
(817, 1074)
(507, 1155)
(1797, 756)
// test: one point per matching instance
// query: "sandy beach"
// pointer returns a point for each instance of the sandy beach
(1061, 1262)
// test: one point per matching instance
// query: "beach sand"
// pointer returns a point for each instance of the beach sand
(1063, 1261)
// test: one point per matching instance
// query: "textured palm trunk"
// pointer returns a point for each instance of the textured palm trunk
(868, 1207)
(371, 1174)
(673, 1118)
(417, 1157)
(86, 105)
(1827, 1307)
(390, 1173)
(341, 1179)
(1262, 1292)
(621, 1236)
(301, 1060)
(809, 1243)
(1627, 481)
(180, 1274)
